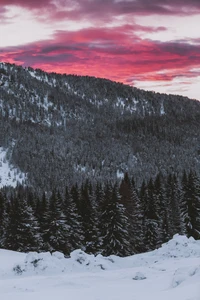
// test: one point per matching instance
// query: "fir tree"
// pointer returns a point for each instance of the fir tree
(88, 219)
(194, 205)
(3, 219)
(23, 229)
(184, 217)
(152, 229)
(43, 216)
(74, 232)
(114, 229)
(135, 214)
(57, 231)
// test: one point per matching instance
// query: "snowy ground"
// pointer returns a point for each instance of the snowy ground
(169, 273)
(8, 174)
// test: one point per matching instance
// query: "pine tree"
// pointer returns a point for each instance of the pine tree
(160, 199)
(174, 201)
(194, 205)
(152, 228)
(74, 232)
(184, 217)
(43, 216)
(114, 230)
(23, 229)
(3, 219)
(135, 214)
(57, 231)
(88, 218)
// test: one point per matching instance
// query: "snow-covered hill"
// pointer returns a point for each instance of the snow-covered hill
(64, 124)
(171, 272)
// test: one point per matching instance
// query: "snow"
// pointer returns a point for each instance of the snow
(162, 110)
(120, 175)
(171, 272)
(9, 175)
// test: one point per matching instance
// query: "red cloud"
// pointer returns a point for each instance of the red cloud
(114, 53)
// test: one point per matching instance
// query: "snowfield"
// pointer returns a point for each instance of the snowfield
(169, 273)
(9, 175)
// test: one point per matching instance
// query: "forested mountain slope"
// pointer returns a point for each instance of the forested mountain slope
(62, 129)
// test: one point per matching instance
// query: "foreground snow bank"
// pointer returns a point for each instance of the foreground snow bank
(55, 263)
(171, 272)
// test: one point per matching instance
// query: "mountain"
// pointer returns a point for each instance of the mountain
(62, 129)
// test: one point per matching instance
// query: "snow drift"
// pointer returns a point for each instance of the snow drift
(171, 272)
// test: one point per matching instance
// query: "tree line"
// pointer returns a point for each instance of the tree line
(115, 218)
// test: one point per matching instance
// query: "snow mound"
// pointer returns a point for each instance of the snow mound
(47, 263)
(55, 263)
(179, 246)
(139, 276)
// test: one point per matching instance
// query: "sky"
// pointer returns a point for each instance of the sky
(150, 44)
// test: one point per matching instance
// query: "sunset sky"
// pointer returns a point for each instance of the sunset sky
(151, 44)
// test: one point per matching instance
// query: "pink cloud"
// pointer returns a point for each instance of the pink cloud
(115, 53)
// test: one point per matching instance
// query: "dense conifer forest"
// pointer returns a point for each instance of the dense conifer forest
(109, 219)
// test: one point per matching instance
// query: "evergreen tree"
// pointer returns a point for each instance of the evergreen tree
(135, 214)
(152, 229)
(114, 229)
(57, 231)
(160, 199)
(194, 205)
(174, 195)
(3, 219)
(184, 217)
(23, 229)
(74, 232)
(43, 216)
(88, 218)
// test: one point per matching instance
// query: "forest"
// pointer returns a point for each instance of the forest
(113, 218)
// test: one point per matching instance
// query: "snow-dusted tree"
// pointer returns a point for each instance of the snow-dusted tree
(43, 216)
(152, 229)
(3, 219)
(23, 229)
(135, 213)
(114, 225)
(194, 205)
(162, 205)
(57, 229)
(74, 231)
(89, 218)
(184, 217)
(173, 195)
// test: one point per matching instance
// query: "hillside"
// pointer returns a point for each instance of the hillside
(63, 129)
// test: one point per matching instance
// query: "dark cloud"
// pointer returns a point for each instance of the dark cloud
(101, 10)
(30, 4)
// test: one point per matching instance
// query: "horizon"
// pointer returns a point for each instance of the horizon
(103, 78)
(150, 46)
